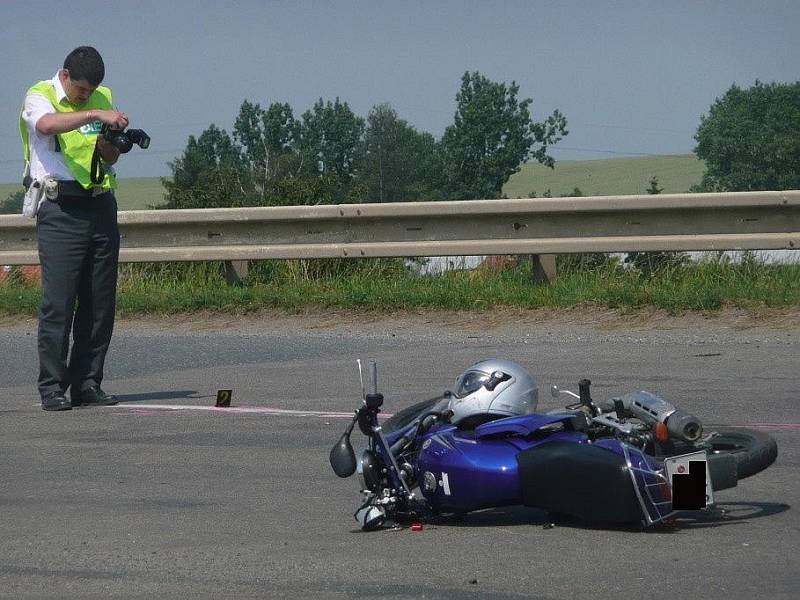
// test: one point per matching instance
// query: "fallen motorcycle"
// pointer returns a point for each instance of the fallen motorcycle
(632, 459)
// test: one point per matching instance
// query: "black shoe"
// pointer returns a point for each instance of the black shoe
(55, 401)
(93, 396)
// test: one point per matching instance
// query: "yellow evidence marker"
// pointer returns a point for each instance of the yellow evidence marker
(223, 398)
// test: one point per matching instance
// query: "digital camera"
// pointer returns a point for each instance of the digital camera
(125, 139)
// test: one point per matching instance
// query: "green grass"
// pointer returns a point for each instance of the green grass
(383, 285)
(618, 176)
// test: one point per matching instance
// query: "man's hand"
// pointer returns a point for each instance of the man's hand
(116, 120)
(113, 118)
(108, 151)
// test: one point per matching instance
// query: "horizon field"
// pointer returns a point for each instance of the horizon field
(607, 177)
(133, 193)
(603, 177)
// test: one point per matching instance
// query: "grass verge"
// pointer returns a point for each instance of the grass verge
(384, 285)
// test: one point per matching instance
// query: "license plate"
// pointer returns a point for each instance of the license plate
(690, 480)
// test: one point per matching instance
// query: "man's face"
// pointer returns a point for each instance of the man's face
(77, 90)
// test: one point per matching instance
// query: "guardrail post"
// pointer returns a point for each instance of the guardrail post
(544, 268)
(235, 271)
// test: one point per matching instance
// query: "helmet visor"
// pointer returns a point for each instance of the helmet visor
(470, 382)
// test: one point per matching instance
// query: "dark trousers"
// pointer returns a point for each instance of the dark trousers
(79, 251)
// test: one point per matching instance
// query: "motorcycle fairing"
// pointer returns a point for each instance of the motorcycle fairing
(582, 480)
(479, 472)
(605, 481)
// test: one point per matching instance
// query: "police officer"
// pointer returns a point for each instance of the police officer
(76, 226)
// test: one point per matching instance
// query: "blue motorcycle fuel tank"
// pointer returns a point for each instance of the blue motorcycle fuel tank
(466, 470)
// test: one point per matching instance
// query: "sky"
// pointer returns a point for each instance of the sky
(632, 77)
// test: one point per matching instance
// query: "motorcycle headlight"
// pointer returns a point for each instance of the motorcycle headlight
(369, 470)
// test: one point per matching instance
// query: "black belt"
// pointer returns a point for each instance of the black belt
(73, 189)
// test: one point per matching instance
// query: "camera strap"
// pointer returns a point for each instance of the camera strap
(97, 173)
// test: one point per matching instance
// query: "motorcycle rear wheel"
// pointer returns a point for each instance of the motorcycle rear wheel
(753, 450)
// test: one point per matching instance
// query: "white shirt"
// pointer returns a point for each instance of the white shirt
(44, 158)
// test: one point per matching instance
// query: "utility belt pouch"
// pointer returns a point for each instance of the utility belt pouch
(32, 199)
(51, 188)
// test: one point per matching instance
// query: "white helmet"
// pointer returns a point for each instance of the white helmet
(493, 389)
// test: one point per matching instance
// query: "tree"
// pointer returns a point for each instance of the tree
(261, 165)
(12, 205)
(750, 140)
(330, 137)
(209, 174)
(398, 163)
(492, 135)
(654, 189)
(267, 138)
(430, 182)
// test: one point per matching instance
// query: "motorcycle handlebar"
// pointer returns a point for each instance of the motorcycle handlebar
(424, 424)
(373, 378)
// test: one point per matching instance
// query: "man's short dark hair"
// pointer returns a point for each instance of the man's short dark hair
(85, 63)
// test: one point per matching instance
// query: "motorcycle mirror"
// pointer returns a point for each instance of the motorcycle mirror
(342, 457)
(554, 391)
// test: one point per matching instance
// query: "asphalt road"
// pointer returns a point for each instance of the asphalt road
(136, 501)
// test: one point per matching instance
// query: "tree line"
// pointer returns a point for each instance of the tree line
(330, 155)
(749, 140)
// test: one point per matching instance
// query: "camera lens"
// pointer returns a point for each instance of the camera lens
(139, 137)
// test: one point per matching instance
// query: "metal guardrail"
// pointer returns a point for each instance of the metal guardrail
(728, 221)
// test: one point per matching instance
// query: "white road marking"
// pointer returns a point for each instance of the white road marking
(767, 426)
(261, 410)
(265, 410)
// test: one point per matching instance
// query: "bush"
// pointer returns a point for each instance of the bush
(13, 204)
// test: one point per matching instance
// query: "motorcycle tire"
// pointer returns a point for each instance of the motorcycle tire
(753, 450)
(405, 416)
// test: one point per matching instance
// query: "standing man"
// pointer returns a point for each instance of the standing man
(76, 226)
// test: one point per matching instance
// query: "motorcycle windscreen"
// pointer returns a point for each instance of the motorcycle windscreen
(580, 480)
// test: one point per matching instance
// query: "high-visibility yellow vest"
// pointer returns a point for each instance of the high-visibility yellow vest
(77, 146)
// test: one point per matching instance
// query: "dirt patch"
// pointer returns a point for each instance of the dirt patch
(17, 321)
(498, 319)
(495, 320)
